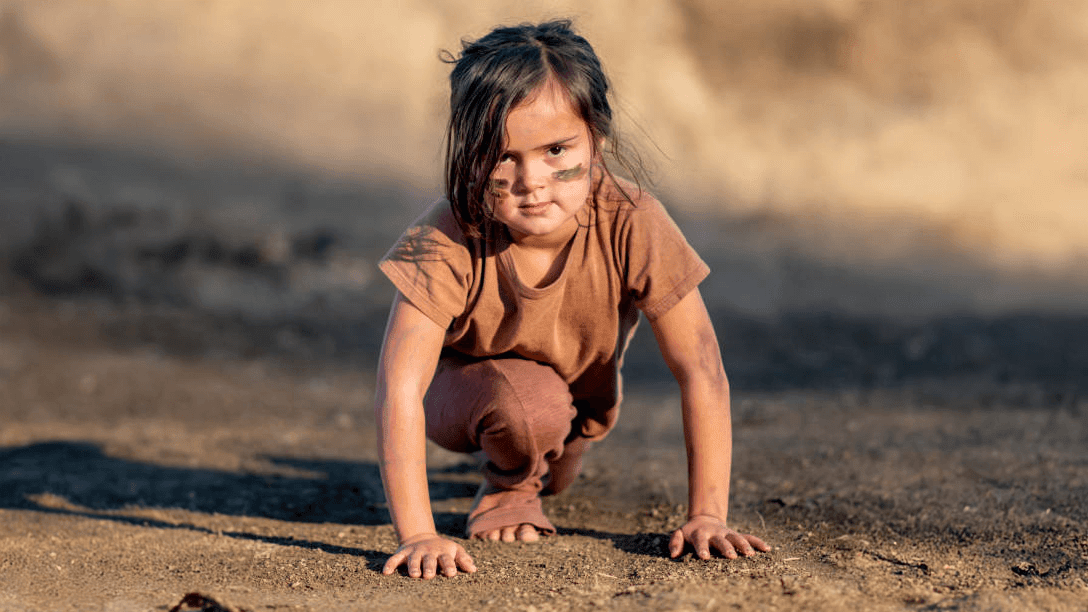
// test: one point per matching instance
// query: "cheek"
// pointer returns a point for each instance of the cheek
(576, 182)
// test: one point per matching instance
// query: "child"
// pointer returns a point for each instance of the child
(517, 296)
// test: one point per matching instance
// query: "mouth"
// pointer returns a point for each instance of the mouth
(533, 207)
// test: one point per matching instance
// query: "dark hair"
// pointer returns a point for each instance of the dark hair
(496, 73)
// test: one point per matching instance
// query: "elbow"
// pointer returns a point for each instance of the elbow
(713, 381)
(721, 381)
(703, 376)
(702, 368)
(389, 399)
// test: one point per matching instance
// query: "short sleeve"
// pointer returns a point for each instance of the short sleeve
(660, 267)
(431, 265)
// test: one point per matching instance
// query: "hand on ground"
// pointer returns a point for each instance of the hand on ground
(513, 533)
(703, 532)
(428, 554)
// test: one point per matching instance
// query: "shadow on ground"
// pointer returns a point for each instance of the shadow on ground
(92, 482)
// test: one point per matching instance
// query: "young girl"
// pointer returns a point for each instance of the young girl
(517, 296)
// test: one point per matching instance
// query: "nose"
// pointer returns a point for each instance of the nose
(530, 177)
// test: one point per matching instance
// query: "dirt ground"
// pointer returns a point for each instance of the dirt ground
(192, 202)
(135, 469)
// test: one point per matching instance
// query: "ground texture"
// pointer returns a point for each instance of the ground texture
(135, 472)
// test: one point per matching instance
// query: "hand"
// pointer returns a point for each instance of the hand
(703, 531)
(425, 554)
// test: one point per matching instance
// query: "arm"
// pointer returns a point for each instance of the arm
(690, 348)
(408, 361)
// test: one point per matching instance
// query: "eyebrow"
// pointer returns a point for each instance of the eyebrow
(555, 143)
(559, 142)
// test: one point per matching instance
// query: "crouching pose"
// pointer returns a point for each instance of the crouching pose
(517, 295)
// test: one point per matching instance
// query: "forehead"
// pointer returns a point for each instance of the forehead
(544, 117)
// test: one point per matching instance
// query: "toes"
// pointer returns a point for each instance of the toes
(525, 532)
(486, 535)
(528, 533)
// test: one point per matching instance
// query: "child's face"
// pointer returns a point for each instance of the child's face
(543, 178)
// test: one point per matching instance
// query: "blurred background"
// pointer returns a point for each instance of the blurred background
(907, 178)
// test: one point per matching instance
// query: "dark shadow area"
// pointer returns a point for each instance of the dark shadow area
(935, 515)
(80, 473)
(142, 188)
(196, 255)
(836, 351)
(1050, 542)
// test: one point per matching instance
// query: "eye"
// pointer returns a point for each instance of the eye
(557, 151)
(505, 157)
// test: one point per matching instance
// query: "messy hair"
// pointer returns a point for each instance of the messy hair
(496, 73)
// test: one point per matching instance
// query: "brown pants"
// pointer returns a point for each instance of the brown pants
(520, 414)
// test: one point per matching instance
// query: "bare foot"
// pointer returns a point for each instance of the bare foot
(513, 533)
(507, 516)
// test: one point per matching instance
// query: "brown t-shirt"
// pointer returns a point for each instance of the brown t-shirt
(622, 259)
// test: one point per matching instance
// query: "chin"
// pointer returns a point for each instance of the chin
(534, 231)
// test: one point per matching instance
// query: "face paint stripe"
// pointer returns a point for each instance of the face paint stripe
(497, 187)
(570, 174)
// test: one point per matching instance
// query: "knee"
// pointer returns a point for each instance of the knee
(530, 408)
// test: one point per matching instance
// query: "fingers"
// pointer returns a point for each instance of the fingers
(701, 542)
(724, 546)
(746, 545)
(429, 566)
(464, 561)
(415, 560)
(676, 544)
(759, 544)
(427, 559)
(446, 565)
(394, 562)
(707, 537)
(740, 542)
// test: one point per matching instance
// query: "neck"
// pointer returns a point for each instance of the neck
(554, 241)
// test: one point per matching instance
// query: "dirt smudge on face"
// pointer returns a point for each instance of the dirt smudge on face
(570, 174)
